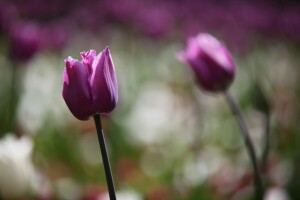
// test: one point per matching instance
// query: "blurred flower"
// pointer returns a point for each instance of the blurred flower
(276, 194)
(8, 13)
(153, 116)
(123, 195)
(154, 22)
(122, 11)
(15, 166)
(25, 41)
(197, 169)
(211, 62)
(90, 86)
(42, 102)
(56, 34)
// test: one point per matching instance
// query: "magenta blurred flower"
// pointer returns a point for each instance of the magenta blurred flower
(25, 41)
(90, 86)
(155, 22)
(56, 34)
(8, 14)
(211, 62)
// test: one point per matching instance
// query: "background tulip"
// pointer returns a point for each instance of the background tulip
(90, 86)
(17, 172)
(210, 60)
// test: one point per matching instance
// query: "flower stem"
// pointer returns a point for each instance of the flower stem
(108, 174)
(250, 148)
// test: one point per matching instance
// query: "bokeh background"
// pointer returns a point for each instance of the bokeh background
(167, 139)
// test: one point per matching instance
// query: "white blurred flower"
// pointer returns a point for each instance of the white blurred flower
(276, 194)
(123, 195)
(160, 115)
(16, 169)
(198, 169)
(41, 99)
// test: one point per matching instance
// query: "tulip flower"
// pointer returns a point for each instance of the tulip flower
(25, 41)
(215, 69)
(211, 62)
(90, 86)
(90, 89)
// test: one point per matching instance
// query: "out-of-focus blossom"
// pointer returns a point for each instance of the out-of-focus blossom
(89, 18)
(40, 102)
(90, 86)
(55, 35)
(8, 14)
(152, 115)
(25, 41)
(211, 62)
(122, 11)
(43, 10)
(127, 194)
(154, 22)
(16, 167)
(276, 194)
(201, 167)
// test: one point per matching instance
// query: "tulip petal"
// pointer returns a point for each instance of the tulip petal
(76, 89)
(88, 58)
(103, 82)
(216, 51)
(211, 62)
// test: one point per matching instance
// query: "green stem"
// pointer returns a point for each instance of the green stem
(250, 148)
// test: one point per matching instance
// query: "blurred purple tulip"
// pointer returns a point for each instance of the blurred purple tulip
(8, 14)
(25, 41)
(155, 22)
(90, 86)
(56, 35)
(211, 62)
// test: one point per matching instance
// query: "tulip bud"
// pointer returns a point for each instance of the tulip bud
(90, 86)
(211, 62)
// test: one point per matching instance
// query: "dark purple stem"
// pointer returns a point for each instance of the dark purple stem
(108, 174)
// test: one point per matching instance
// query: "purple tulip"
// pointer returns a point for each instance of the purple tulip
(211, 62)
(90, 86)
(25, 41)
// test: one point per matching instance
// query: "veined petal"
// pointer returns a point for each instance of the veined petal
(103, 82)
(76, 89)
